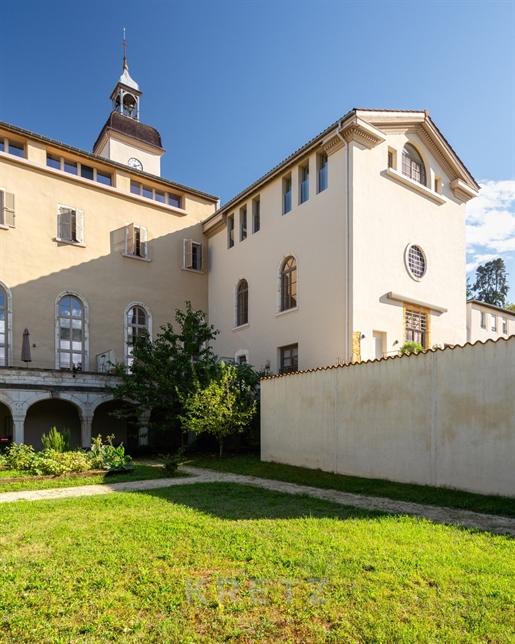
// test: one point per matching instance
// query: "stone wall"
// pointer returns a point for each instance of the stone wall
(443, 418)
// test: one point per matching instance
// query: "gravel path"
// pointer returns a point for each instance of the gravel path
(487, 522)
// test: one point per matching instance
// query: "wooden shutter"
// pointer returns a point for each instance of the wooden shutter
(130, 240)
(7, 215)
(79, 226)
(188, 253)
(64, 223)
(143, 241)
(199, 256)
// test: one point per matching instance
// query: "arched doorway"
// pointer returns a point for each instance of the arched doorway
(6, 425)
(45, 414)
(125, 430)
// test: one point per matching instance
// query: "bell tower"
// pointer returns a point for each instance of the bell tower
(124, 138)
(126, 94)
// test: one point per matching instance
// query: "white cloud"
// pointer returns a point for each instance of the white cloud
(491, 224)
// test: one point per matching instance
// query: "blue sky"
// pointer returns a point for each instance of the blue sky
(235, 87)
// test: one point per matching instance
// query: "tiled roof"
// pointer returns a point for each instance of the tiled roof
(396, 357)
(129, 126)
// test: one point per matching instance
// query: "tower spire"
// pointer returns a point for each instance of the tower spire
(125, 45)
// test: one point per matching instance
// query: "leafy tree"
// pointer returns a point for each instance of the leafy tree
(221, 408)
(510, 307)
(491, 285)
(164, 372)
(470, 293)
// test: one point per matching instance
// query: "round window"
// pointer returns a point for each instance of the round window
(416, 262)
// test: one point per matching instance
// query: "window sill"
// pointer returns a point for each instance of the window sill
(241, 327)
(4, 227)
(69, 242)
(141, 259)
(280, 313)
(192, 270)
(418, 187)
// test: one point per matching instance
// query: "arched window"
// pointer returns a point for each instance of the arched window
(412, 165)
(71, 346)
(137, 323)
(289, 284)
(242, 303)
(3, 328)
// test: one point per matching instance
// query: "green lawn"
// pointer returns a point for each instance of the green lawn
(141, 472)
(222, 562)
(252, 466)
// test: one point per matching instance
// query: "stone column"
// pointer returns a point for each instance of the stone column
(143, 431)
(85, 425)
(18, 428)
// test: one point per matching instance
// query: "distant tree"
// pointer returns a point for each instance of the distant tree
(470, 293)
(510, 307)
(491, 285)
(222, 407)
(165, 371)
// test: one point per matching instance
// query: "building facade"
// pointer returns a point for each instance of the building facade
(488, 322)
(94, 248)
(350, 247)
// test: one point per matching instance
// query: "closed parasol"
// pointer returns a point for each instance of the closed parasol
(25, 348)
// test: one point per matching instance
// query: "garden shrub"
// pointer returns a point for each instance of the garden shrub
(410, 347)
(19, 456)
(108, 457)
(56, 440)
(172, 461)
(53, 462)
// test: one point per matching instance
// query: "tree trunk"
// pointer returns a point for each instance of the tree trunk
(221, 443)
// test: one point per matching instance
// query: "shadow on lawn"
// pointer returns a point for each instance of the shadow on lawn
(234, 501)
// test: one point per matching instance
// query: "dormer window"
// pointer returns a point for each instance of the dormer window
(412, 165)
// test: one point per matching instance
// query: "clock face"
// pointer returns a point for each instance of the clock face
(135, 163)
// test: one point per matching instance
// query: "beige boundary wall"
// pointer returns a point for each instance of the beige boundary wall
(443, 418)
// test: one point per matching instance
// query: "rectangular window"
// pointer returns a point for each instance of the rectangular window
(289, 358)
(230, 231)
(18, 149)
(174, 200)
(243, 223)
(136, 188)
(483, 320)
(86, 172)
(2, 145)
(192, 255)
(160, 196)
(136, 241)
(53, 161)
(7, 213)
(286, 195)
(416, 327)
(70, 166)
(105, 178)
(494, 323)
(504, 326)
(70, 225)
(242, 359)
(256, 215)
(304, 183)
(390, 159)
(322, 172)
(147, 192)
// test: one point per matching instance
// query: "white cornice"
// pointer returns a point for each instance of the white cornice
(410, 300)
(462, 191)
(424, 190)
(355, 129)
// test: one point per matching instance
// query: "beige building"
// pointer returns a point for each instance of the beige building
(94, 248)
(488, 322)
(348, 248)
